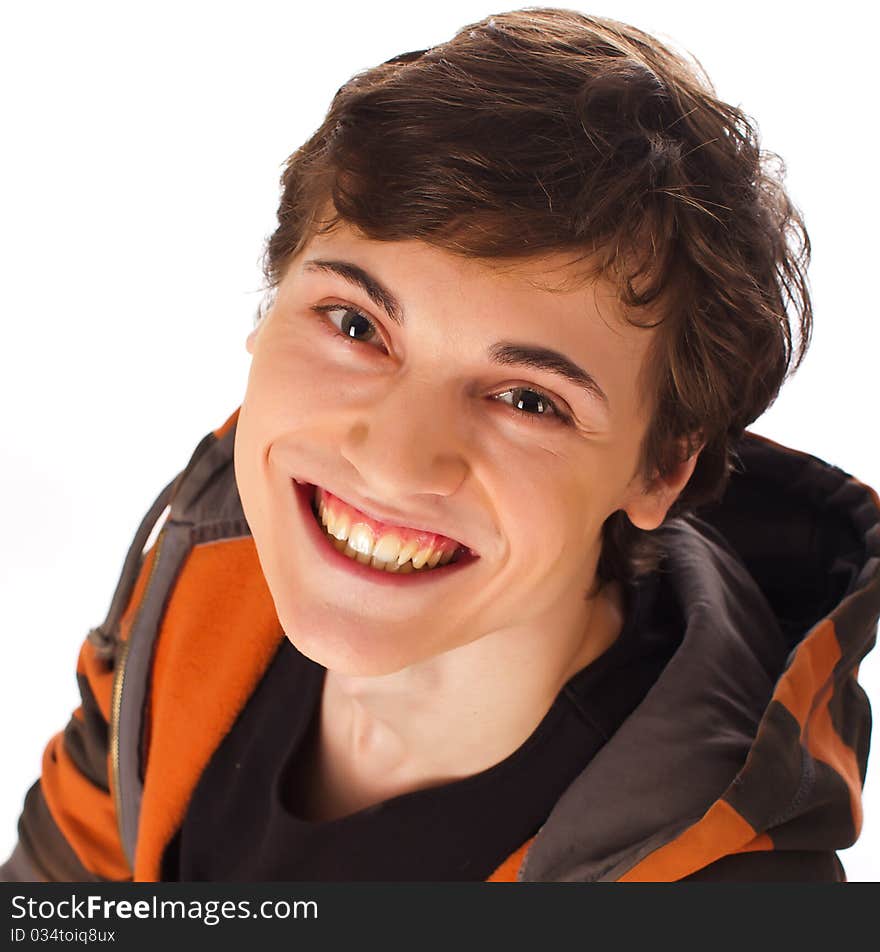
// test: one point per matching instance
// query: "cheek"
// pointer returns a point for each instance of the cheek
(557, 513)
(290, 384)
(547, 518)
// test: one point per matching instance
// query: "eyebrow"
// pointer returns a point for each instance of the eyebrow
(507, 353)
(510, 353)
(378, 294)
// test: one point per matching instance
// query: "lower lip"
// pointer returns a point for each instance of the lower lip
(335, 559)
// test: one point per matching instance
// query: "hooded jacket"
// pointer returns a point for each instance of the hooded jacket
(745, 760)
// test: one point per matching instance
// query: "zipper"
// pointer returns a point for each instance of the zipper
(116, 703)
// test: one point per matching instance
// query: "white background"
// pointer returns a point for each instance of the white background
(142, 145)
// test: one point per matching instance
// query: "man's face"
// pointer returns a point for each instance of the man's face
(416, 422)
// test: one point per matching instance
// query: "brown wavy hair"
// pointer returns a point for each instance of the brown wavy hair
(545, 130)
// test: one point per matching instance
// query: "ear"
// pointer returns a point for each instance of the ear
(648, 505)
(265, 305)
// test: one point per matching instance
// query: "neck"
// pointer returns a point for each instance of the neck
(461, 712)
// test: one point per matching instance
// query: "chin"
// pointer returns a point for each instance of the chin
(352, 657)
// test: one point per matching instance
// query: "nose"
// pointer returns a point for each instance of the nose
(407, 443)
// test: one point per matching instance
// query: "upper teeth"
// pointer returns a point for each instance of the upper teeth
(388, 551)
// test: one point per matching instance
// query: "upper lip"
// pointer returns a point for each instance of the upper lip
(392, 517)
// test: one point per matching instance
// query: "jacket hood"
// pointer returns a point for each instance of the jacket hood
(755, 736)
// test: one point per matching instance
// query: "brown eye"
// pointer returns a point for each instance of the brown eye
(349, 322)
(354, 324)
(532, 404)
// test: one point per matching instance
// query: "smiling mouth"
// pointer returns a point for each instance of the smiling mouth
(394, 550)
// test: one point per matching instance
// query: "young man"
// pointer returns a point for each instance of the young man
(433, 603)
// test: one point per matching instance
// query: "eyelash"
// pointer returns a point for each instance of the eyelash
(558, 416)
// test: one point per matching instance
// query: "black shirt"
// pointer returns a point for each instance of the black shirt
(241, 823)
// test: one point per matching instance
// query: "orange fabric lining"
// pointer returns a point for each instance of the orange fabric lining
(811, 668)
(84, 813)
(825, 744)
(660, 871)
(218, 635)
(721, 831)
(221, 431)
(806, 690)
(509, 869)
